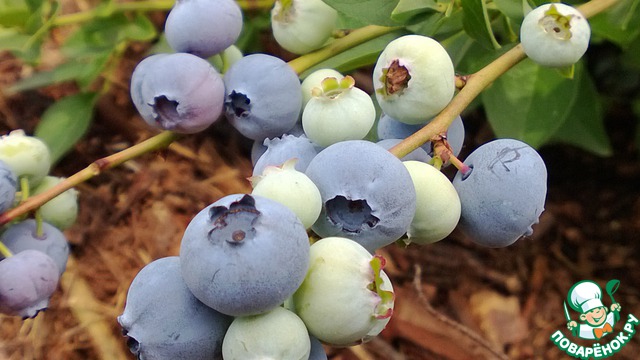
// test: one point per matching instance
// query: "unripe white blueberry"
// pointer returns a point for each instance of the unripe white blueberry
(338, 111)
(555, 35)
(291, 188)
(315, 80)
(62, 210)
(301, 26)
(223, 61)
(414, 79)
(345, 298)
(277, 334)
(26, 156)
(437, 204)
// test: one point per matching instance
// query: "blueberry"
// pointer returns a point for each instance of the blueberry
(314, 80)
(62, 210)
(163, 320)
(277, 334)
(555, 35)
(367, 193)
(258, 148)
(27, 280)
(26, 156)
(418, 154)
(338, 111)
(203, 27)
(263, 96)
(504, 193)
(437, 207)
(317, 350)
(23, 236)
(292, 188)
(8, 187)
(414, 79)
(346, 297)
(178, 92)
(301, 26)
(285, 148)
(244, 254)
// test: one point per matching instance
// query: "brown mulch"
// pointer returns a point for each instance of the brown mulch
(454, 299)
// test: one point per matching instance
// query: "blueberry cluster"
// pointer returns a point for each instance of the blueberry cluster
(33, 252)
(248, 282)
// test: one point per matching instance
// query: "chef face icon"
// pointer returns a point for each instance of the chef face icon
(585, 297)
(595, 317)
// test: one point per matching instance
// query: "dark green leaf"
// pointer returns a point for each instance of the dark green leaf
(584, 125)
(407, 9)
(358, 56)
(619, 24)
(476, 23)
(530, 102)
(65, 122)
(458, 46)
(373, 12)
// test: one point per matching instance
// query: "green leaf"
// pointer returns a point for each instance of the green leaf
(65, 122)
(477, 24)
(358, 56)
(511, 8)
(584, 126)
(372, 12)
(408, 9)
(13, 13)
(12, 39)
(439, 25)
(530, 102)
(104, 34)
(619, 24)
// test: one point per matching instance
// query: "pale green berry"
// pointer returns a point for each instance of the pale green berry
(291, 188)
(338, 111)
(345, 298)
(437, 204)
(314, 80)
(62, 210)
(26, 156)
(228, 57)
(277, 334)
(414, 79)
(301, 26)
(555, 35)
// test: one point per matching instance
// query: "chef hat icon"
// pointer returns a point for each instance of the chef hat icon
(585, 295)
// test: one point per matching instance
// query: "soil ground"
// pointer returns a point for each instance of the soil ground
(454, 299)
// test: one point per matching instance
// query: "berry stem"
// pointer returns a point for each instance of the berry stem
(157, 142)
(4, 250)
(24, 188)
(354, 38)
(39, 226)
(475, 84)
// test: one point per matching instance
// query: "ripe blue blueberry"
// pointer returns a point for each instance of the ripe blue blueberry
(178, 92)
(244, 254)
(203, 27)
(263, 96)
(287, 147)
(24, 235)
(27, 280)
(258, 148)
(367, 193)
(163, 320)
(504, 193)
(8, 187)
